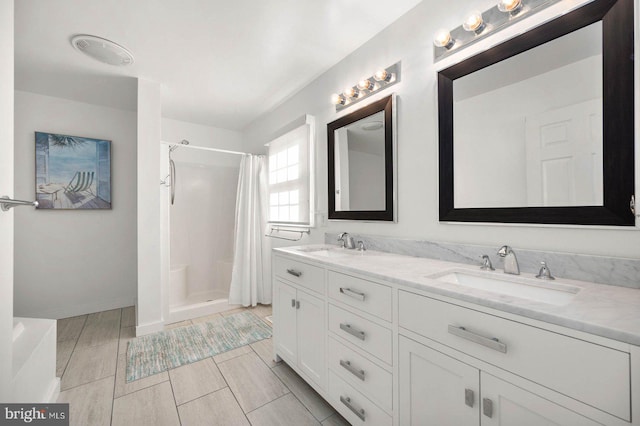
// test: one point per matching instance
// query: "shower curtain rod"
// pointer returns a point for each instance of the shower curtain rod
(204, 148)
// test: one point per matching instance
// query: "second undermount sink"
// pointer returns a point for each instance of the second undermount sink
(525, 288)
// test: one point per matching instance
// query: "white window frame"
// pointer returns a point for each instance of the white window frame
(282, 137)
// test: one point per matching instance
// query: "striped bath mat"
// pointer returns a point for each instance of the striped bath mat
(158, 352)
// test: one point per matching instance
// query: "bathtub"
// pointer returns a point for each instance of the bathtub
(34, 360)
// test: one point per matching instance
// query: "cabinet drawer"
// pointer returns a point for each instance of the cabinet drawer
(354, 406)
(303, 274)
(367, 296)
(371, 337)
(591, 373)
(361, 373)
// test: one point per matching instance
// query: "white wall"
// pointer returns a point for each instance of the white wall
(173, 131)
(71, 262)
(151, 280)
(409, 40)
(6, 185)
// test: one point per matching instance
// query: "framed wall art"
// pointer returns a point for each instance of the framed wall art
(72, 172)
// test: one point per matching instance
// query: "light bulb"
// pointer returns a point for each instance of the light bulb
(474, 22)
(351, 92)
(382, 75)
(509, 5)
(443, 39)
(365, 85)
(337, 99)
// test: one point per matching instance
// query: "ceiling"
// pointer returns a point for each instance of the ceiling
(219, 63)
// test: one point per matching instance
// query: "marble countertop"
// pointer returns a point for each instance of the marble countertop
(603, 310)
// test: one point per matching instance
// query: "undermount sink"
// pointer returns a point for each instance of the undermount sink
(544, 291)
(326, 251)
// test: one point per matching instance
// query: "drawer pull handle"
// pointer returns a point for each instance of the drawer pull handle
(297, 304)
(351, 369)
(294, 272)
(469, 397)
(347, 401)
(293, 303)
(351, 293)
(487, 407)
(492, 343)
(352, 331)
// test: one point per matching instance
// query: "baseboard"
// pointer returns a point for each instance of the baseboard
(80, 309)
(149, 328)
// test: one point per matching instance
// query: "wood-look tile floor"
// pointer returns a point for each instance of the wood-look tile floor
(240, 387)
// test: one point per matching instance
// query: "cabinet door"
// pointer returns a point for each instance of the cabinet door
(436, 389)
(285, 321)
(511, 405)
(311, 337)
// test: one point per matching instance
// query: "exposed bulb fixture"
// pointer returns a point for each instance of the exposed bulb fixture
(382, 75)
(443, 38)
(365, 84)
(366, 87)
(474, 22)
(351, 92)
(338, 99)
(511, 6)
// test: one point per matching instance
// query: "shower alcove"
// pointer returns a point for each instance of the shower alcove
(201, 223)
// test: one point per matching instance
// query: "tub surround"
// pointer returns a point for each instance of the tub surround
(602, 310)
(614, 271)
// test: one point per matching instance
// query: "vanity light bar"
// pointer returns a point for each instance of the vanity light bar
(478, 25)
(366, 87)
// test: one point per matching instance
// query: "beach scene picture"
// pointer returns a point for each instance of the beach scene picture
(72, 172)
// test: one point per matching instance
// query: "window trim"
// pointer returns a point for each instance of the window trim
(310, 122)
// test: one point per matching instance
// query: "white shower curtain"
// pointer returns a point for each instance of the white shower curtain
(248, 285)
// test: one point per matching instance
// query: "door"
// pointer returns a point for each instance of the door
(564, 156)
(505, 404)
(285, 320)
(6, 188)
(436, 389)
(311, 337)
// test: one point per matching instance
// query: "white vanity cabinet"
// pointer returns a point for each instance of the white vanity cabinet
(299, 337)
(383, 351)
(454, 347)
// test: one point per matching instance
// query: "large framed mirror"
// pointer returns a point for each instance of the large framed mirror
(540, 129)
(361, 163)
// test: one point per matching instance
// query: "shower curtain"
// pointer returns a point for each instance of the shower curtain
(248, 285)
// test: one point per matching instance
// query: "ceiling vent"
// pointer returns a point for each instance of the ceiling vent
(102, 50)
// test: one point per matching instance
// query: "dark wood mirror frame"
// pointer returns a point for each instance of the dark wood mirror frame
(617, 18)
(386, 105)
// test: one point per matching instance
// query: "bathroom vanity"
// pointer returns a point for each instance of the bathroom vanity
(397, 340)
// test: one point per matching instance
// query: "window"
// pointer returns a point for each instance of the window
(290, 176)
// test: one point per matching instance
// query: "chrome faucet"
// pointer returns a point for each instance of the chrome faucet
(347, 240)
(486, 263)
(510, 260)
(545, 273)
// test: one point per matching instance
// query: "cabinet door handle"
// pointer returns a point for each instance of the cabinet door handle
(294, 272)
(351, 369)
(492, 343)
(469, 397)
(352, 293)
(297, 304)
(487, 407)
(352, 331)
(293, 303)
(347, 401)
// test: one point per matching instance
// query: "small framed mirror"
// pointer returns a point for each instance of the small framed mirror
(540, 128)
(361, 163)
